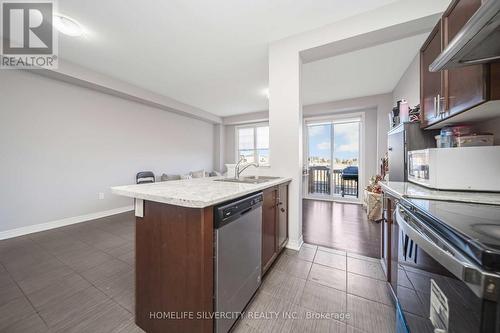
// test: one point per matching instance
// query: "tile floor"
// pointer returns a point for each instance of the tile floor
(318, 282)
(80, 278)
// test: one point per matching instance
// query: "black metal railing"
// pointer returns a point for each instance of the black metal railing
(321, 178)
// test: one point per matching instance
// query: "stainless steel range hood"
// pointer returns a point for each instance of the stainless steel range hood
(477, 42)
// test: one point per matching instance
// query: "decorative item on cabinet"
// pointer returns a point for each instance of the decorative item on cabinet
(394, 119)
(384, 166)
(373, 199)
(414, 114)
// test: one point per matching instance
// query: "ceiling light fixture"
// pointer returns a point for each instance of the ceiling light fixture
(67, 26)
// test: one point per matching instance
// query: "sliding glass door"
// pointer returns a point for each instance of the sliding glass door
(332, 158)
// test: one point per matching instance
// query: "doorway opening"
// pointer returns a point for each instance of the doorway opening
(332, 158)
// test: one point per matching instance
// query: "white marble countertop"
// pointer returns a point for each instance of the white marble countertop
(410, 190)
(195, 193)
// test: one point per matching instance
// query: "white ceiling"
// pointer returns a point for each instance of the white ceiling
(370, 71)
(209, 54)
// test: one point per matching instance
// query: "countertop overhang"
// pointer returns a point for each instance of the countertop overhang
(193, 193)
(410, 190)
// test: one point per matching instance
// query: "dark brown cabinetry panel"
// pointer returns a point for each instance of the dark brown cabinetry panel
(431, 83)
(450, 92)
(274, 224)
(282, 234)
(495, 81)
(174, 267)
(466, 86)
(269, 228)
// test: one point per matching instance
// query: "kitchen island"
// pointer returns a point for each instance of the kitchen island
(175, 246)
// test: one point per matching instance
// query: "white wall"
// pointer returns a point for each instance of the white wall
(285, 105)
(230, 144)
(61, 144)
(377, 122)
(408, 86)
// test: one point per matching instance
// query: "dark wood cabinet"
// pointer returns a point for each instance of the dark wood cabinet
(450, 92)
(269, 229)
(282, 223)
(431, 83)
(174, 267)
(466, 86)
(274, 224)
(174, 259)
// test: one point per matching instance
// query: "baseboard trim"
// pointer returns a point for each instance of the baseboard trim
(295, 244)
(61, 223)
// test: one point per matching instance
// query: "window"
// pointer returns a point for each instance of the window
(253, 144)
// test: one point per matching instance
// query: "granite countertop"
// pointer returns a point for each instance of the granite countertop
(195, 193)
(410, 190)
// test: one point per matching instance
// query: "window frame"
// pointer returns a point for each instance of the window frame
(255, 153)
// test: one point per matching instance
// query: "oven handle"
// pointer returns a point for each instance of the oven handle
(482, 283)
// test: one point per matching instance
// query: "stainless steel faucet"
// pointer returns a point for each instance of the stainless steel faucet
(238, 171)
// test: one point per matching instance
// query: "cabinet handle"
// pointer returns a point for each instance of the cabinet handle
(439, 104)
(435, 107)
(443, 99)
(282, 210)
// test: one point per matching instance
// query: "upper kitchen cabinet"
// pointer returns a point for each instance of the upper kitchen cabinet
(431, 83)
(466, 85)
(446, 95)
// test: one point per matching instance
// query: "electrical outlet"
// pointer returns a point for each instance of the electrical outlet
(101, 195)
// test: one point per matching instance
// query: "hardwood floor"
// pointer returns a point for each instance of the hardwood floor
(340, 226)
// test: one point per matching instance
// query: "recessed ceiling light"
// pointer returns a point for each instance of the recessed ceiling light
(67, 26)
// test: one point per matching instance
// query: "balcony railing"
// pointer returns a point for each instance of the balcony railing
(321, 178)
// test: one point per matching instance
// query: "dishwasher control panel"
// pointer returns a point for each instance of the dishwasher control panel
(227, 212)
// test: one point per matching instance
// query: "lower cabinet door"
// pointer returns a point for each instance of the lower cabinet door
(269, 228)
(282, 216)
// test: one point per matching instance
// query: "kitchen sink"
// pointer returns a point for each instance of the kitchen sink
(247, 179)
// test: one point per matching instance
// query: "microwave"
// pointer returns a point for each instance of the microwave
(460, 168)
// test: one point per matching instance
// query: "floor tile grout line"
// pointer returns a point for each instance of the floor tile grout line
(91, 284)
(84, 242)
(79, 274)
(302, 306)
(346, 273)
(35, 309)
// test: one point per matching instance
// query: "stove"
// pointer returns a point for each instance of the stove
(473, 229)
(446, 266)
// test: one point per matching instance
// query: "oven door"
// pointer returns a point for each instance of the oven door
(438, 288)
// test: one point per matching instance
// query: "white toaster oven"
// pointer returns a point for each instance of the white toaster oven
(460, 168)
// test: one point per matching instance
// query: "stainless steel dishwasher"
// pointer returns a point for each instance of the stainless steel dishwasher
(238, 246)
